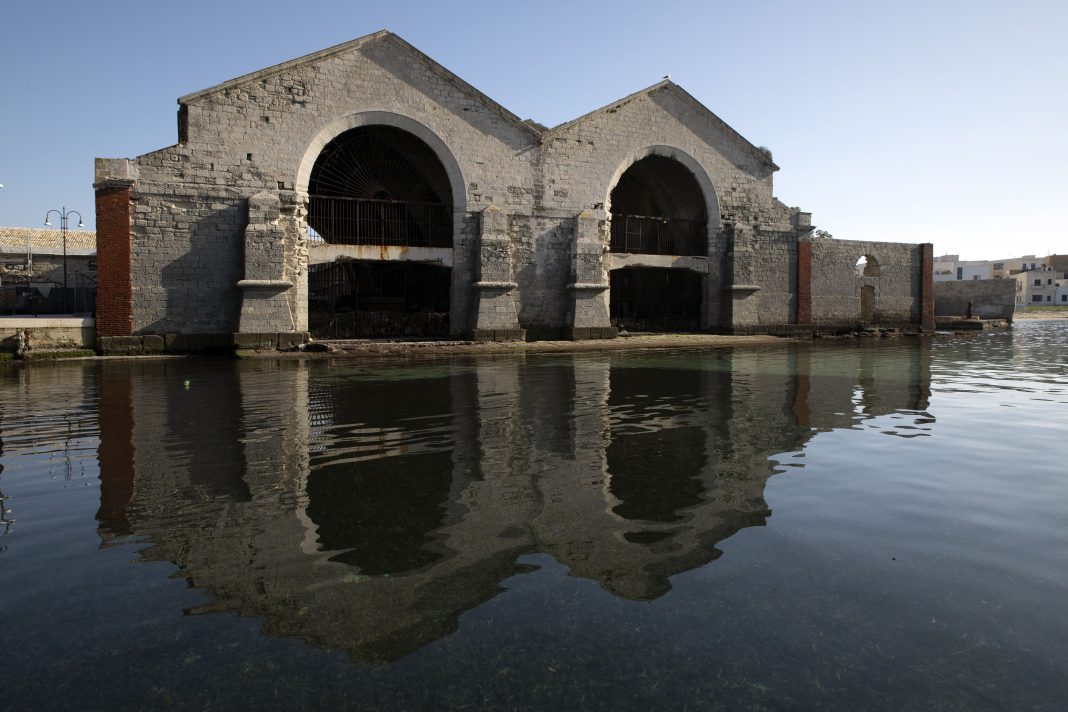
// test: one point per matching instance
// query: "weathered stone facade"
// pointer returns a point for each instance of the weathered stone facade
(218, 231)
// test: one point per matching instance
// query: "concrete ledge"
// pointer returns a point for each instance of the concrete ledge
(828, 329)
(624, 260)
(120, 345)
(590, 332)
(46, 322)
(591, 286)
(48, 332)
(499, 335)
(495, 285)
(292, 338)
(152, 344)
(197, 342)
(264, 284)
(269, 340)
(326, 252)
(255, 341)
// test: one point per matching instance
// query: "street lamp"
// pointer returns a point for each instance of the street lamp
(64, 214)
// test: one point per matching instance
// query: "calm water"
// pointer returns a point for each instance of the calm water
(845, 526)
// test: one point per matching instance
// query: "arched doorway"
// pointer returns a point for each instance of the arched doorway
(381, 200)
(867, 268)
(657, 208)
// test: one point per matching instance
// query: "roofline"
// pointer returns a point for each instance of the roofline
(667, 84)
(453, 78)
(611, 105)
(281, 66)
(434, 65)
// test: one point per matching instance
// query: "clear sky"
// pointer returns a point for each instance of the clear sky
(936, 121)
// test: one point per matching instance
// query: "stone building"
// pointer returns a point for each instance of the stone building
(365, 190)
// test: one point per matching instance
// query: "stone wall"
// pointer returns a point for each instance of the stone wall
(984, 298)
(837, 287)
(48, 332)
(190, 243)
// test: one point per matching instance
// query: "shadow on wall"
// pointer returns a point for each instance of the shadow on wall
(198, 286)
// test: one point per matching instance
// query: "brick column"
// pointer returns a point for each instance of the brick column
(804, 282)
(927, 320)
(114, 292)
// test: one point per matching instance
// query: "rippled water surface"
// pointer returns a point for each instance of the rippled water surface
(846, 526)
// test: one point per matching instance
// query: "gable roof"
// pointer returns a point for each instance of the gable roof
(528, 125)
(353, 45)
(46, 241)
(668, 85)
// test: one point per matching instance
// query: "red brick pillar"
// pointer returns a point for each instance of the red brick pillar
(114, 292)
(804, 283)
(927, 311)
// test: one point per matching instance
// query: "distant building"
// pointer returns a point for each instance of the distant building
(1036, 287)
(1060, 293)
(31, 270)
(948, 268)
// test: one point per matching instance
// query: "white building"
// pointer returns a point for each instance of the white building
(1060, 292)
(949, 268)
(1037, 287)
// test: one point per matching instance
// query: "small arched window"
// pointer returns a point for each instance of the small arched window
(867, 266)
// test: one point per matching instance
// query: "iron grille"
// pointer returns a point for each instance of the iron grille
(366, 221)
(655, 299)
(356, 299)
(644, 235)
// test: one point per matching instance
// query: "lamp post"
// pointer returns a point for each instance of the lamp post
(64, 214)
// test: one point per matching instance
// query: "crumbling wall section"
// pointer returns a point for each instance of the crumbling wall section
(983, 298)
(775, 270)
(543, 265)
(836, 286)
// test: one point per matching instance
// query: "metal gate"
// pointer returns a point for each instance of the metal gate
(355, 299)
(655, 299)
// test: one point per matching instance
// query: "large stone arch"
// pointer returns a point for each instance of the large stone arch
(708, 189)
(711, 267)
(444, 155)
(385, 118)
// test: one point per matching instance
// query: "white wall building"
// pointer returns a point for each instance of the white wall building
(1036, 287)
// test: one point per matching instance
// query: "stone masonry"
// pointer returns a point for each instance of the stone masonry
(206, 242)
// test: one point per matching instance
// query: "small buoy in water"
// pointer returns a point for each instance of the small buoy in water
(186, 384)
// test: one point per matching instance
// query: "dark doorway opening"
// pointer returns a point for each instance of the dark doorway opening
(658, 209)
(655, 299)
(359, 299)
(867, 305)
(379, 187)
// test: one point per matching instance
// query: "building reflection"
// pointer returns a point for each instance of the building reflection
(365, 511)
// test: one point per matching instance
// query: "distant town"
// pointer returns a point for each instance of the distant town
(1040, 281)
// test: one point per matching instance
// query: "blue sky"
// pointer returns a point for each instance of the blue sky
(943, 122)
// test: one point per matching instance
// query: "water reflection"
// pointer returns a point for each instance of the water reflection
(365, 510)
